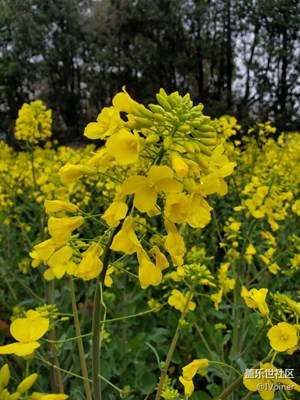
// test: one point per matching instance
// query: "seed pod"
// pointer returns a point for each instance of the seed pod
(156, 108)
(163, 102)
(143, 122)
(208, 142)
(201, 134)
(206, 128)
(189, 147)
(196, 146)
(201, 161)
(205, 150)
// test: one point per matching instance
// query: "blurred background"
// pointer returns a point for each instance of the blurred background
(238, 57)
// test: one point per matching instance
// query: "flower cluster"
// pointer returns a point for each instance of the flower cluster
(34, 122)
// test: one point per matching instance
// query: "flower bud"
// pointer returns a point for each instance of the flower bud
(27, 383)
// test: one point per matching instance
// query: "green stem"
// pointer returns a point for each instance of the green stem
(87, 388)
(172, 347)
(96, 325)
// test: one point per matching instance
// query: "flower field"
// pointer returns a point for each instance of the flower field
(160, 261)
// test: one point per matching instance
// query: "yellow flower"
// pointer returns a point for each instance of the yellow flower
(126, 240)
(159, 179)
(199, 212)
(70, 173)
(256, 299)
(61, 228)
(42, 252)
(177, 207)
(124, 146)
(174, 243)
(160, 259)
(190, 370)
(217, 298)
(188, 386)
(149, 273)
(26, 331)
(53, 206)
(283, 336)
(123, 102)
(91, 265)
(108, 279)
(115, 212)
(265, 380)
(60, 263)
(179, 165)
(178, 301)
(108, 122)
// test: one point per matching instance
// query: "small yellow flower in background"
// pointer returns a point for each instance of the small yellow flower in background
(178, 301)
(296, 207)
(124, 147)
(146, 188)
(154, 304)
(217, 298)
(250, 251)
(149, 273)
(26, 331)
(256, 298)
(53, 206)
(283, 337)
(91, 265)
(126, 240)
(267, 377)
(61, 228)
(70, 173)
(34, 122)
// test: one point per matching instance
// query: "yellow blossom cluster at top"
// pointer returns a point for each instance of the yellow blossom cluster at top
(34, 122)
(165, 161)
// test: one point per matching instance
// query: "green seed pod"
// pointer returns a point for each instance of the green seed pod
(144, 112)
(168, 141)
(156, 108)
(196, 123)
(201, 134)
(201, 161)
(208, 142)
(163, 102)
(205, 150)
(196, 146)
(27, 383)
(143, 123)
(189, 147)
(206, 128)
(159, 118)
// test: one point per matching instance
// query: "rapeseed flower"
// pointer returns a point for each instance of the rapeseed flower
(91, 265)
(61, 228)
(108, 123)
(60, 263)
(256, 298)
(53, 206)
(174, 243)
(188, 373)
(146, 188)
(178, 301)
(149, 273)
(115, 212)
(124, 147)
(126, 240)
(26, 331)
(283, 337)
(70, 173)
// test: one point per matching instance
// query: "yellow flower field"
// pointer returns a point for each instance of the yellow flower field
(160, 261)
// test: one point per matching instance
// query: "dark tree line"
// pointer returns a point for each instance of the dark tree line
(239, 57)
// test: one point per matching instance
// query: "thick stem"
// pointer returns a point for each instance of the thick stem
(96, 328)
(172, 347)
(87, 388)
